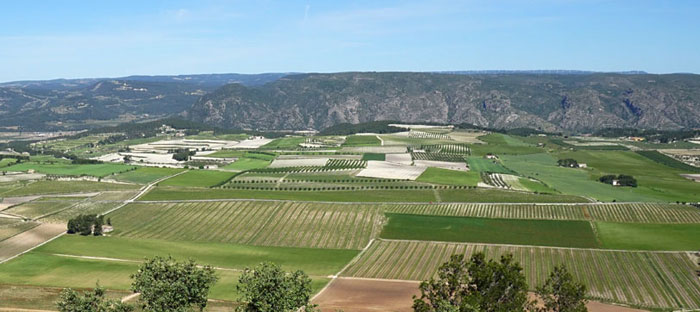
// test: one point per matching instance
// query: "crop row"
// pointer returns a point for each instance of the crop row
(296, 169)
(650, 279)
(327, 187)
(346, 163)
(12, 229)
(330, 180)
(459, 149)
(426, 135)
(296, 224)
(437, 157)
(611, 212)
(494, 179)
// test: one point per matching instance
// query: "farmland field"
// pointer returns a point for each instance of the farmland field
(374, 156)
(284, 143)
(8, 229)
(36, 209)
(67, 187)
(145, 175)
(97, 170)
(362, 140)
(649, 279)
(262, 223)
(644, 236)
(480, 230)
(247, 164)
(198, 178)
(612, 212)
(480, 164)
(449, 177)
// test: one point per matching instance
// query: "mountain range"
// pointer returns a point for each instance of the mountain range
(570, 101)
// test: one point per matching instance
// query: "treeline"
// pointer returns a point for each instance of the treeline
(381, 126)
(661, 136)
(87, 224)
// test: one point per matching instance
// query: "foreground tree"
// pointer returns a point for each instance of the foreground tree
(168, 285)
(267, 288)
(89, 301)
(475, 285)
(561, 293)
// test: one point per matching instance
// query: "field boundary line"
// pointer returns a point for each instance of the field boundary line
(143, 191)
(546, 247)
(352, 261)
(396, 203)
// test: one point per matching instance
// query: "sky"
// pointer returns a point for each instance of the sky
(87, 39)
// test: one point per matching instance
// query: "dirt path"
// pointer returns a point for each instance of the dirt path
(28, 240)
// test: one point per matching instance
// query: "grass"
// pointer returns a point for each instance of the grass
(480, 164)
(656, 181)
(644, 236)
(247, 164)
(145, 175)
(199, 178)
(495, 231)
(43, 267)
(449, 177)
(582, 182)
(7, 161)
(67, 187)
(96, 170)
(501, 144)
(536, 186)
(284, 143)
(374, 156)
(362, 140)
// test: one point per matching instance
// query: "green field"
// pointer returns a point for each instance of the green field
(648, 279)
(656, 181)
(247, 164)
(481, 195)
(145, 175)
(501, 144)
(480, 164)
(449, 177)
(44, 266)
(362, 140)
(284, 143)
(374, 156)
(262, 223)
(67, 187)
(495, 231)
(7, 161)
(97, 170)
(644, 236)
(199, 178)
(536, 186)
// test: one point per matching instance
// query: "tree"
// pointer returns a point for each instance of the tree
(168, 285)
(475, 285)
(97, 231)
(267, 288)
(568, 162)
(89, 301)
(561, 293)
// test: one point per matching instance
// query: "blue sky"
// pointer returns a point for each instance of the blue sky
(71, 39)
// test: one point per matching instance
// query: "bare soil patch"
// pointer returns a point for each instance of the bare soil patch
(29, 239)
(364, 295)
(369, 295)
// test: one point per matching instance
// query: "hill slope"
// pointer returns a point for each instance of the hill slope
(552, 102)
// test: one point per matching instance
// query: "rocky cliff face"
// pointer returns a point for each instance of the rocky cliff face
(551, 102)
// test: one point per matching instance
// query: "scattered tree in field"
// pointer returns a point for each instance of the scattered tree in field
(620, 180)
(168, 285)
(561, 293)
(568, 162)
(475, 285)
(183, 154)
(267, 288)
(83, 224)
(109, 221)
(89, 301)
